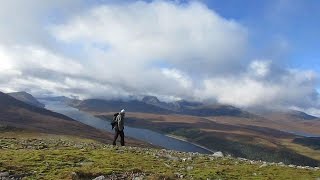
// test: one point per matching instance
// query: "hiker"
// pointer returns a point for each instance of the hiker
(119, 126)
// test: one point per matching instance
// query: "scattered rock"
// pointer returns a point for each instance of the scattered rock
(99, 178)
(292, 166)
(263, 165)
(301, 167)
(4, 174)
(138, 177)
(218, 154)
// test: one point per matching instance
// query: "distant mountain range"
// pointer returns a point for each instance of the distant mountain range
(27, 98)
(151, 104)
(117, 105)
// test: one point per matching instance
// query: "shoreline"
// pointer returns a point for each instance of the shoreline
(184, 140)
(168, 135)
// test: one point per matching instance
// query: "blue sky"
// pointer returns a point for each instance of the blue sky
(294, 21)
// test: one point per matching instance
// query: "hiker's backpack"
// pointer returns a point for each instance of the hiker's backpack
(114, 121)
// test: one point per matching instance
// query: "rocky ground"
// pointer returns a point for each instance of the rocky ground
(57, 157)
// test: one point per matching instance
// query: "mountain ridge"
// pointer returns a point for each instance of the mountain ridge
(27, 98)
(151, 104)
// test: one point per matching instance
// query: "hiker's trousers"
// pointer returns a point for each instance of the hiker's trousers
(116, 134)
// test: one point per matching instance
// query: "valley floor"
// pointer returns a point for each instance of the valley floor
(42, 156)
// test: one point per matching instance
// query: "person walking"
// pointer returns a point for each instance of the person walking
(119, 127)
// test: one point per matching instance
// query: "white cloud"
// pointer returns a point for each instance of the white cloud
(189, 36)
(26, 21)
(181, 78)
(270, 89)
(169, 49)
(260, 68)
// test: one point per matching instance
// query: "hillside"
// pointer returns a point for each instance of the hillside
(27, 98)
(59, 157)
(294, 121)
(15, 114)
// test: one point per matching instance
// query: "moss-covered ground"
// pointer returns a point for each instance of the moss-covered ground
(41, 156)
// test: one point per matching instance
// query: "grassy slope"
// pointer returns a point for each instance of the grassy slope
(41, 156)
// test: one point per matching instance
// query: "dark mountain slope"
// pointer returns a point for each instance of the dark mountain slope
(292, 115)
(99, 105)
(27, 98)
(66, 100)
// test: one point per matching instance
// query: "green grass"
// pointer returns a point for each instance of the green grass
(56, 157)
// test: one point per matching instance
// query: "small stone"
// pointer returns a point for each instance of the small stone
(138, 178)
(263, 165)
(4, 174)
(255, 174)
(218, 154)
(99, 178)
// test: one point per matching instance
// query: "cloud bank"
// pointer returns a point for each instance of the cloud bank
(169, 49)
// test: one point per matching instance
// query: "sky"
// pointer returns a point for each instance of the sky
(250, 54)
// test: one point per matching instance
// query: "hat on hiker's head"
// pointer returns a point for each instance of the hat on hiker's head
(122, 111)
